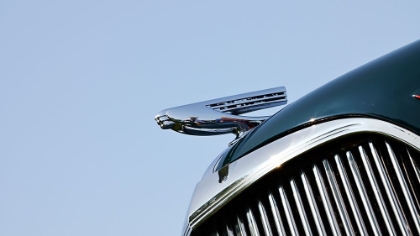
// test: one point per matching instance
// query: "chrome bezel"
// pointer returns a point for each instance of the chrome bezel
(210, 195)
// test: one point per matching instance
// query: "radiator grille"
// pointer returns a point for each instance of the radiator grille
(360, 185)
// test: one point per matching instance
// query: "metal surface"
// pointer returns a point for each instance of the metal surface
(342, 211)
(288, 212)
(332, 220)
(322, 175)
(252, 225)
(221, 116)
(363, 193)
(403, 184)
(389, 190)
(350, 196)
(312, 205)
(378, 196)
(264, 219)
(210, 195)
(300, 207)
(276, 215)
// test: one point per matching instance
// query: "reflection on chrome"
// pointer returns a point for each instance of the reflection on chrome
(210, 195)
(221, 116)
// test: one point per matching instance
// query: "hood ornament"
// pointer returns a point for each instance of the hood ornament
(221, 115)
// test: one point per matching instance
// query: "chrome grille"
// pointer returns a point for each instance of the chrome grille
(355, 186)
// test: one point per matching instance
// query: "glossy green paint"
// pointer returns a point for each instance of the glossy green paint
(382, 89)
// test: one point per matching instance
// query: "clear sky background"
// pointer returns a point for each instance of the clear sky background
(81, 82)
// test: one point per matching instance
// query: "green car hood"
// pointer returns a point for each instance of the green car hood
(381, 89)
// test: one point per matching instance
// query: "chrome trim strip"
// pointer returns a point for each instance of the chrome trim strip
(210, 195)
(390, 192)
(187, 230)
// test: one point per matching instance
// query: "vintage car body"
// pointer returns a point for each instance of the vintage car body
(342, 160)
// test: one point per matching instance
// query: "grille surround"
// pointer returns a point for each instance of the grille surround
(324, 173)
(210, 195)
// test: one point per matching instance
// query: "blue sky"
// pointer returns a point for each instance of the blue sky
(81, 82)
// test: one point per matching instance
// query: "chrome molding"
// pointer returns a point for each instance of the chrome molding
(210, 195)
(221, 115)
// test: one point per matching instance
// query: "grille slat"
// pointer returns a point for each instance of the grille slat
(300, 208)
(338, 198)
(374, 185)
(350, 196)
(288, 211)
(411, 179)
(276, 215)
(240, 229)
(326, 202)
(313, 206)
(408, 198)
(264, 219)
(253, 228)
(363, 194)
(415, 167)
(338, 190)
(390, 192)
(229, 231)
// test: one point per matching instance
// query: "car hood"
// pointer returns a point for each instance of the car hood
(383, 89)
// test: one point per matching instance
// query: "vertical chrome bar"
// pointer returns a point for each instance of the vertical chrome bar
(376, 192)
(264, 219)
(253, 228)
(215, 233)
(229, 230)
(240, 230)
(276, 215)
(415, 167)
(288, 211)
(312, 204)
(325, 200)
(404, 187)
(363, 194)
(301, 211)
(350, 196)
(396, 207)
(342, 211)
(411, 180)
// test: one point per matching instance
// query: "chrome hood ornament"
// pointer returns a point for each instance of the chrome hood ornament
(221, 115)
